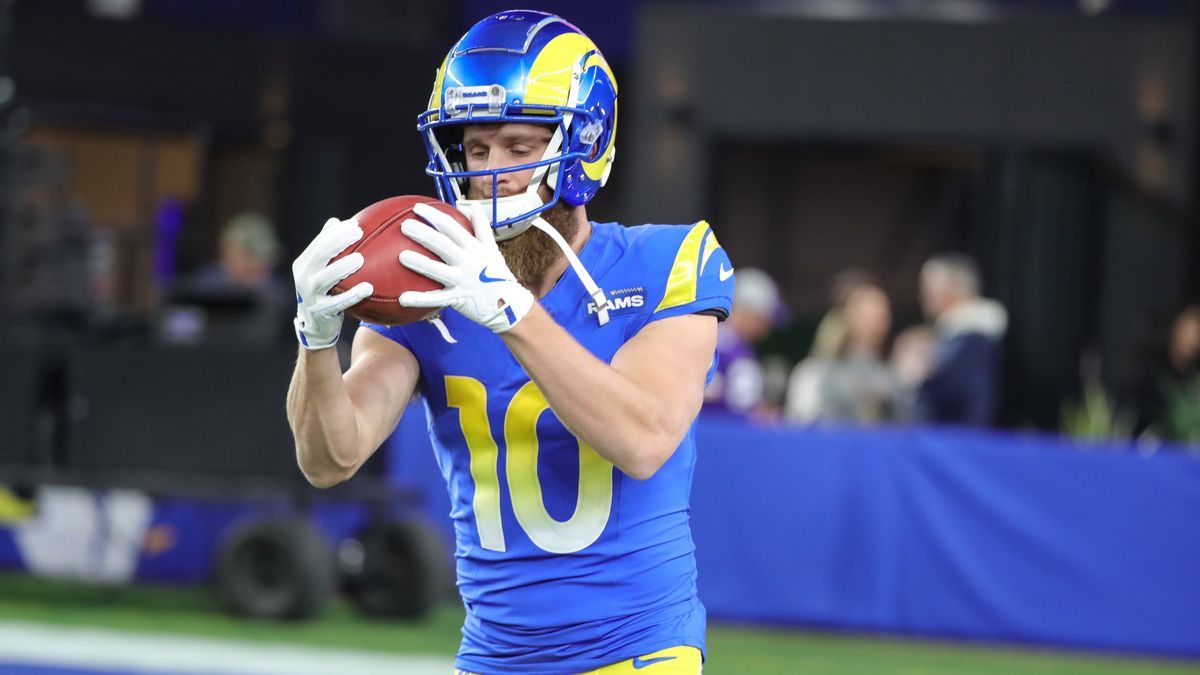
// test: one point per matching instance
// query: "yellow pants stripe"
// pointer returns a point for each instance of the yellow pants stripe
(670, 661)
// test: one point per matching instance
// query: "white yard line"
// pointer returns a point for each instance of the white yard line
(47, 645)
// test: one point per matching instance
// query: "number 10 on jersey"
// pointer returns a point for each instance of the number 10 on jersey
(593, 503)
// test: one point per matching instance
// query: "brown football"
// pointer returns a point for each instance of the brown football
(381, 244)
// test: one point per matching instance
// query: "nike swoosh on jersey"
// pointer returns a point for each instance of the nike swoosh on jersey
(486, 279)
(638, 663)
(723, 273)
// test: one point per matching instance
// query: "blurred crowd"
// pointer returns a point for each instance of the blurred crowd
(239, 297)
(861, 367)
(945, 369)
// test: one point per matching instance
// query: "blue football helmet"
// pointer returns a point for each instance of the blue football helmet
(532, 67)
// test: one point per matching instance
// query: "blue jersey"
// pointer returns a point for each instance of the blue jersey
(566, 564)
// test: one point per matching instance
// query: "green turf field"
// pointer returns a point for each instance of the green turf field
(733, 650)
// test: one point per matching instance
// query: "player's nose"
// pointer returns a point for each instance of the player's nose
(505, 185)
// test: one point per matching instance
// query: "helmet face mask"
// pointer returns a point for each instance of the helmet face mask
(529, 67)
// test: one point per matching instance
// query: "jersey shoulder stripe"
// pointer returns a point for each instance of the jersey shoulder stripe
(685, 271)
(686, 267)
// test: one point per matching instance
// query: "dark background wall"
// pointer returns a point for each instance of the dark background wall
(1057, 150)
(1056, 147)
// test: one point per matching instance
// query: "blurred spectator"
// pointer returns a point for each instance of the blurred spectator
(246, 255)
(777, 371)
(854, 383)
(1183, 349)
(237, 297)
(831, 332)
(912, 361)
(737, 386)
(962, 383)
(1168, 369)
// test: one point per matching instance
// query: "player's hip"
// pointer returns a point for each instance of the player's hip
(530, 606)
(587, 636)
(567, 650)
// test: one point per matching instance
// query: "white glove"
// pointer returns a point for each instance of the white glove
(478, 283)
(318, 314)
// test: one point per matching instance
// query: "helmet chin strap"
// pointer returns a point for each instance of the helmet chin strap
(594, 290)
(480, 212)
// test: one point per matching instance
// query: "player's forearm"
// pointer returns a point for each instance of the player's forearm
(323, 419)
(604, 408)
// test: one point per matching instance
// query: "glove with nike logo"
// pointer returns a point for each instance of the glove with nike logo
(319, 314)
(478, 283)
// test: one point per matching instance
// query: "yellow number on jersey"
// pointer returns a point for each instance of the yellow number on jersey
(592, 506)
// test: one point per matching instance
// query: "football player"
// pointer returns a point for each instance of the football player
(561, 375)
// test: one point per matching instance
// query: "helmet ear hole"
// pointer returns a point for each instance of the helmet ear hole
(449, 139)
(458, 162)
(603, 131)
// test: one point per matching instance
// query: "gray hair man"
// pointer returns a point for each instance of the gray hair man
(963, 383)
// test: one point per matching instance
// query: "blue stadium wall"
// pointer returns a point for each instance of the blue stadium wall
(978, 535)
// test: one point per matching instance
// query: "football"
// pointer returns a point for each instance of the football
(381, 244)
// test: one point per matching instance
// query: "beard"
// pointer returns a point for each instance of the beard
(531, 253)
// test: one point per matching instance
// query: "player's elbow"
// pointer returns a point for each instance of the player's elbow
(642, 470)
(653, 449)
(644, 464)
(324, 479)
(641, 445)
(322, 472)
